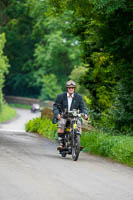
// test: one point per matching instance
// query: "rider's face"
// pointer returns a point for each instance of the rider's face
(70, 90)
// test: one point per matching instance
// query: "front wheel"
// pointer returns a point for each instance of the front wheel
(75, 147)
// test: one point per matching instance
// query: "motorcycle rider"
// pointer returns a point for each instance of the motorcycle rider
(68, 101)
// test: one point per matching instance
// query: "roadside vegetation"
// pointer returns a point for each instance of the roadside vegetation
(16, 105)
(7, 113)
(116, 147)
(43, 126)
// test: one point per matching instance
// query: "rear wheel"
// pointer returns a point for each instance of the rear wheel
(75, 147)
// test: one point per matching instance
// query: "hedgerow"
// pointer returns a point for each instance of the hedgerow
(42, 126)
(119, 148)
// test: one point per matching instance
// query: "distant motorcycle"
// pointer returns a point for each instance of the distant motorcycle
(35, 108)
(71, 144)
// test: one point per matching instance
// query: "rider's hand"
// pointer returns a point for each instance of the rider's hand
(85, 116)
(59, 117)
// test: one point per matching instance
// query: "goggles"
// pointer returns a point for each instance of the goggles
(70, 84)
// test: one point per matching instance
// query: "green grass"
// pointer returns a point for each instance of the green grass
(7, 113)
(20, 106)
(119, 148)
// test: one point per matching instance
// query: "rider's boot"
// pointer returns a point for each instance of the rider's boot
(60, 146)
(61, 141)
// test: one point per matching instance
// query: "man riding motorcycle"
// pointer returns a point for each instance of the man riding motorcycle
(67, 101)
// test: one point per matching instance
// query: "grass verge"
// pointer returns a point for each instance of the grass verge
(20, 106)
(119, 148)
(43, 127)
(7, 113)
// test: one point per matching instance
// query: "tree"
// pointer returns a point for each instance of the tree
(105, 28)
(19, 48)
(118, 42)
(58, 50)
(3, 67)
(37, 44)
(50, 87)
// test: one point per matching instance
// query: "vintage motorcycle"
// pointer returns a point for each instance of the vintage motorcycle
(71, 143)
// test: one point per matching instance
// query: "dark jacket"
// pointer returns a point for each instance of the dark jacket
(77, 103)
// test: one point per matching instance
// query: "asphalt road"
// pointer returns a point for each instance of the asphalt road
(32, 169)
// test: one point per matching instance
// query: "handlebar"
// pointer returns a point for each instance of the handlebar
(72, 114)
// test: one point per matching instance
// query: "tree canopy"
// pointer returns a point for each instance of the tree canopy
(37, 45)
(105, 28)
(3, 67)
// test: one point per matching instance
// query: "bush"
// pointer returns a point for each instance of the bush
(33, 125)
(50, 87)
(42, 126)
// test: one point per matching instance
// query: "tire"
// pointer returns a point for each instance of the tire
(76, 147)
(33, 111)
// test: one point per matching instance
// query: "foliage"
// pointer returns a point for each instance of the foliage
(50, 87)
(100, 80)
(123, 114)
(3, 67)
(58, 51)
(46, 40)
(118, 42)
(7, 113)
(33, 125)
(16, 105)
(19, 48)
(122, 151)
(77, 73)
(119, 148)
(42, 126)
(105, 29)
(37, 44)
